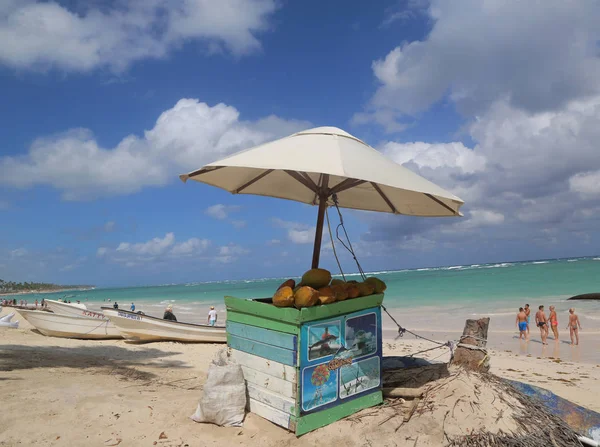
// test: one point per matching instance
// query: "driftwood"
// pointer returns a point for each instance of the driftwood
(409, 393)
(471, 351)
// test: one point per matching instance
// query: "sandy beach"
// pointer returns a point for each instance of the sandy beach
(63, 392)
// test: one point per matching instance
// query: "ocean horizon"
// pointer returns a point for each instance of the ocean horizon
(432, 298)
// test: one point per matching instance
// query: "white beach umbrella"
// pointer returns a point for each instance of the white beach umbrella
(313, 165)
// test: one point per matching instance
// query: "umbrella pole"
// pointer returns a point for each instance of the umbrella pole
(319, 232)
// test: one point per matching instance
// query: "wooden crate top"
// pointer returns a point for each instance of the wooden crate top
(264, 308)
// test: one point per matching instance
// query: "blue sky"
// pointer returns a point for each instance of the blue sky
(106, 102)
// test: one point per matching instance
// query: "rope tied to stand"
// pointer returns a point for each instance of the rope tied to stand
(401, 330)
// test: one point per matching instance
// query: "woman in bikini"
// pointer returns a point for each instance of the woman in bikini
(574, 326)
(554, 322)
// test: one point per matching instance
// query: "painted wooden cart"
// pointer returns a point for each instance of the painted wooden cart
(307, 368)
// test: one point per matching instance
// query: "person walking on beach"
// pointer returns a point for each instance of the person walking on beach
(542, 322)
(554, 322)
(574, 326)
(528, 313)
(212, 316)
(132, 308)
(521, 323)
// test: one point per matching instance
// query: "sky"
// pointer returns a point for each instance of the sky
(104, 104)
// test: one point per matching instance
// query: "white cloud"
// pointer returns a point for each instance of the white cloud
(435, 155)
(524, 170)
(109, 226)
(167, 249)
(184, 138)
(586, 183)
(74, 265)
(152, 247)
(274, 242)
(18, 252)
(190, 247)
(230, 253)
(221, 211)
(297, 232)
(536, 56)
(41, 35)
(239, 223)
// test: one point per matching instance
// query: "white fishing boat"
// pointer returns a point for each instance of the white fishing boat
(5, 321)
(67, 326)
(139, 327)
(74, 310)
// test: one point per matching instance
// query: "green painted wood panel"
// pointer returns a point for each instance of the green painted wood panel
(320, 419)
(262, 335)
(255, 320)
(286, 314)
(281, 355)
(294, 316)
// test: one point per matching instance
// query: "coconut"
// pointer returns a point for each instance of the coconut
(284, 297)
(377, 284)
(340, 292)
(306, 297)
(326, 295)
(316, 278)
(352, 290)
(289, 283)
(365, 289)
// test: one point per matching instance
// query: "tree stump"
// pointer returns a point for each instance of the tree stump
(471, 351)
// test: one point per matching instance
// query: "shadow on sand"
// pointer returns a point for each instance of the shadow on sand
(107, 358)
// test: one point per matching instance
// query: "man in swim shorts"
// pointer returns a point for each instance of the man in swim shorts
(528, 313)
(574, 326)
(542, 322)
(521, 323)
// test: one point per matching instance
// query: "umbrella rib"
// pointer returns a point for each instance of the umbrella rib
(309, 184)
(204, 171)
(254, 180)
(346, 184)
(384, 197)
(435, 199)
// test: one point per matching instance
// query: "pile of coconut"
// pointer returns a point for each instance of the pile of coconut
(452, 406)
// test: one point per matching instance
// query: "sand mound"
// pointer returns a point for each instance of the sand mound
(461, 408)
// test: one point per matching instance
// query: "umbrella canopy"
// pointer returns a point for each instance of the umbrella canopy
(313, 165)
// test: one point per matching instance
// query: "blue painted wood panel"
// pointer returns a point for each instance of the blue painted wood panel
(281, 355)
(262, 335)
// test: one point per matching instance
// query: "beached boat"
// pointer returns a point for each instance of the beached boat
(74, 310)
(5, 321)
(140, 327)
(67, 326)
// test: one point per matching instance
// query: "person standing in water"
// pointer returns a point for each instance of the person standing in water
(574, 326)
(542, 322)
(212, 316)
(554, 322)
(528, 313)
(521, 323)
(132, 308)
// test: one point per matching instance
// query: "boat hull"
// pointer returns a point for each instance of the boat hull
(65, 326)
(145, 328)
(73, 310)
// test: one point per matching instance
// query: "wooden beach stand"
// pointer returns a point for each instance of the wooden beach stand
(300, 376)
(307, 368)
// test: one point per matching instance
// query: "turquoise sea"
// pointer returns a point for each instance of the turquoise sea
(432, 298)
